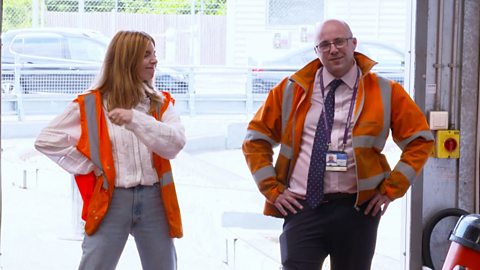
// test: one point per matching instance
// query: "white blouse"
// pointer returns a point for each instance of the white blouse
(132, 144)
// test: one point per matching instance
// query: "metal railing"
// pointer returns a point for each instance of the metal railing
(37, 90)
(29, 90)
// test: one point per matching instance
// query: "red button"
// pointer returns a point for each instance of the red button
(450, 144)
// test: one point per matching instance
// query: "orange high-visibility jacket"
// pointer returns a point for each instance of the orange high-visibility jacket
(381, 105)
(96, 191)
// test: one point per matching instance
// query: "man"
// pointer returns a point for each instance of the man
(334, 211)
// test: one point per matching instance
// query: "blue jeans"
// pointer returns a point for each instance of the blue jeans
(137, 211)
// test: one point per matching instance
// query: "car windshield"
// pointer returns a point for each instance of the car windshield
(86, 50)
(45, 46)
(48, 47)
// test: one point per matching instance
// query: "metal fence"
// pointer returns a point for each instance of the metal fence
(188, 32)
(28, 90)
(75, 79)
(18, 14)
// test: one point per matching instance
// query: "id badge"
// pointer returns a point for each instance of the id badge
(336, 161)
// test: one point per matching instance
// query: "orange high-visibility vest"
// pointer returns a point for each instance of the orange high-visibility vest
(96, 191)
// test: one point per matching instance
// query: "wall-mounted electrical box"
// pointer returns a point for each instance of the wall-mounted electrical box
(438, 120)
(447, 144)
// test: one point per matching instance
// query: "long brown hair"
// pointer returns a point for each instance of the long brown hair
(119, 82)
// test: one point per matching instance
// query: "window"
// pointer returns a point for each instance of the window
(300, 12)
(39, 46)
(86, 50)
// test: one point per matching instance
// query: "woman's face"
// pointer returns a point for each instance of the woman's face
(147, 68)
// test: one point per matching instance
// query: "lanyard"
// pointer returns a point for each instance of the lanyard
(350, 111)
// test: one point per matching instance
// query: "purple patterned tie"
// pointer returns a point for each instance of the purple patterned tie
(316, 171)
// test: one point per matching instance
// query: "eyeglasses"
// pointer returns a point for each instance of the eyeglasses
(326, 45)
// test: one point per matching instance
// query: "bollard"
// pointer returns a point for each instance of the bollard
(464, 252)
(24, 180)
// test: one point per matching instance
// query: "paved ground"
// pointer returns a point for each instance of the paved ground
(220, 206)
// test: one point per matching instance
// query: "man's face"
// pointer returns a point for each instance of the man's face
(337, 59)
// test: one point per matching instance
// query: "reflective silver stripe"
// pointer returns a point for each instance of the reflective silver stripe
(255, 135)
(380, 140)
(386, 92)
(371, 182)
(360, 107)
(368, 141)
(93, 136)
(286, 151)
(166, 179)
(407, 171)
(363, 141)
(292, 141)
(264, 173)
(286, 111)
(426, 134)
(286, 103)
(92, 125)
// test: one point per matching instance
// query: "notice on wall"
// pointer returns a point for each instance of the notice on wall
(431, 88)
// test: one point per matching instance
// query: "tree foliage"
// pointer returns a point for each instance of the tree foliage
(212, 7)
(16, 14)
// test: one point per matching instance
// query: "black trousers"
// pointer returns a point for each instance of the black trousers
(334, 228)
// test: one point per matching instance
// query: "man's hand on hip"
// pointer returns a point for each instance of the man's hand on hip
(288, 201)
(378, 203)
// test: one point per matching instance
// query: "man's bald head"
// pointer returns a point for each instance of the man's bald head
(335, 46)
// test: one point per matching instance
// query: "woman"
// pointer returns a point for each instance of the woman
(117, 140)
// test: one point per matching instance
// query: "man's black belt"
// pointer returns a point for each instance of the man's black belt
(329, 197)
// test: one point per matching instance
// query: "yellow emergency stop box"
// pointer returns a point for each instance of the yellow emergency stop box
(447, 144)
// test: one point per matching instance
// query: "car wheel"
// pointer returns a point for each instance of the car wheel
(8, 87)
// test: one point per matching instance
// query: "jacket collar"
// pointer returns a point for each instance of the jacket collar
(306, 75)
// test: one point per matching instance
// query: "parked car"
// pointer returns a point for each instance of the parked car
(267, 73)
(56, 60)
(63, 60)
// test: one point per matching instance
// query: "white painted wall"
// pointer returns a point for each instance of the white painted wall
(249, 35)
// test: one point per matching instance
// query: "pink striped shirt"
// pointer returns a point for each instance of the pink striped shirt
(334, 181)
